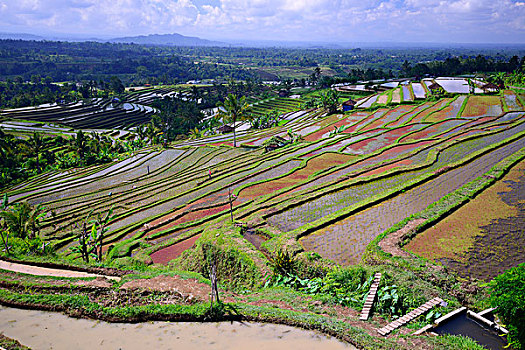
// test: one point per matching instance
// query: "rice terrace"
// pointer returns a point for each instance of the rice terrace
(372, 210)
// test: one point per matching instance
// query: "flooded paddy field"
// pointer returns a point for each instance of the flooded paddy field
(484, 237)
(50, 330)
(346, 240)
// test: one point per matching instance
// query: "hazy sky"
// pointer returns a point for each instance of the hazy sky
(474, 21)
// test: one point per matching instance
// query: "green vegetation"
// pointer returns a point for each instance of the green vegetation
(233, 109)
(20, 227)
(174, 205)
(26, 158)
(507, 293)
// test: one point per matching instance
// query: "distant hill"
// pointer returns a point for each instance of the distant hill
(167, 40)
(20, 36)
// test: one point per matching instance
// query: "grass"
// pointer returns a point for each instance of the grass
(11, 344)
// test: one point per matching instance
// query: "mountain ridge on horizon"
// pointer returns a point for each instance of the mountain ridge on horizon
(176, 39)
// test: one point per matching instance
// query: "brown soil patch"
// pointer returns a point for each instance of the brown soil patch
(189, 289)
(46, 271)
(390, 244)
(167, 254)
(98, 282)
(187, 217)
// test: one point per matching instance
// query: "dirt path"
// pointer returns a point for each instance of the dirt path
(390, 244)
(45, 271)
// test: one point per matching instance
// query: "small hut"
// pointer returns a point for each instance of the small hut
(225, 129)
(283, 93)
(348, 105)
(489, 87)
(435, 88)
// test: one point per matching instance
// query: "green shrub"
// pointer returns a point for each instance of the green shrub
(349, 278)
(507, 293)
(235, 269)
(283, 263)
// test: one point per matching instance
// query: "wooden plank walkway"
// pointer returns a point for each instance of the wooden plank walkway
(365, 313)
(410, 316)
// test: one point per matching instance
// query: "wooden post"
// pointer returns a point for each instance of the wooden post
(213, 282)
(231, 203)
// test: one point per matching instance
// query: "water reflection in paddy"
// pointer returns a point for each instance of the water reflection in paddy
(50, 330)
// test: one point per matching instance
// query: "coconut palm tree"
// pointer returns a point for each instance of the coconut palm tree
(3, 226)
(152, 133)
(23, 219)
(330, 101)
(232, 110)
(5, 149)
(80, 144)
(36, 145)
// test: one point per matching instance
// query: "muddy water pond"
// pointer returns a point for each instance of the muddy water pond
(49, 330)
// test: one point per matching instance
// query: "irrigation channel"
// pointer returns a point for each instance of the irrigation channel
(466, 326)
(51, 330)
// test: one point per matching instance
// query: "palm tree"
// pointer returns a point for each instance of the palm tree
(152, 133)
(195, 134)
(80, 143)
(330, 101)
(36, 144)
(233, 109)
(23, 219)
(3, 227)
(4, 145)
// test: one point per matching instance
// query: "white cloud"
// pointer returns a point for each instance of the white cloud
(349, 20)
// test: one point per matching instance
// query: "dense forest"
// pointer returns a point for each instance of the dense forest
(138, 64)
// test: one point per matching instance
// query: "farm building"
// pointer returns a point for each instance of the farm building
(225, 129)
(489, 87)
(348, 105)
(283, 93)
(435, 88)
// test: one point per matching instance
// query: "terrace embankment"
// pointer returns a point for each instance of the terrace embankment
(484, 237)
(346, 240)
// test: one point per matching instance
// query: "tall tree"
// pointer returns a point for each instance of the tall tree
(36, 145)
(5, 148)
(232, 110)
(23, 219)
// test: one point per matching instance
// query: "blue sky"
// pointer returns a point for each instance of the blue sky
(461, 21)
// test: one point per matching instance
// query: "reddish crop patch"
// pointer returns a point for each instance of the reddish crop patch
(432, 130)
(326, 130)
(421, 116)
(396, 151)
(404, 162)
(191, 216)
(167, 254)
(479, 106)
(374, 143)
(372, 118)
(407, 116)
(385, 119)
(227, 143)
(321, 162)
